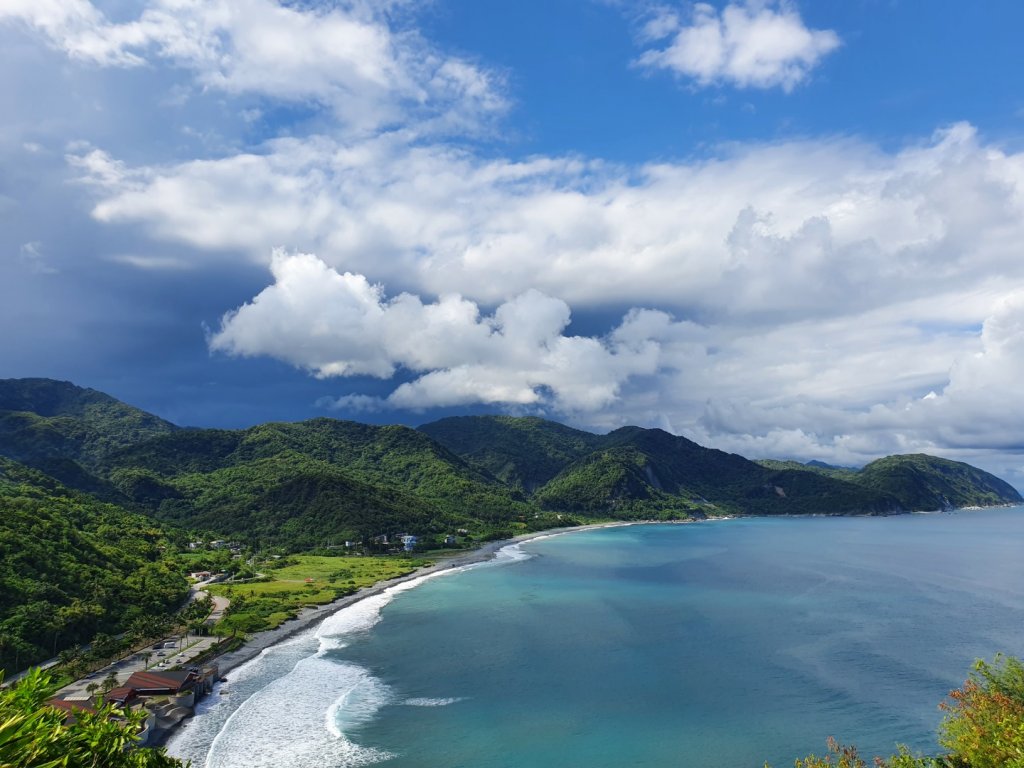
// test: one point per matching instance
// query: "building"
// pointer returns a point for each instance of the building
(409, 542)
(123, 698)
(150, 683)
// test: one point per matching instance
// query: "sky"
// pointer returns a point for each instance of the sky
(783, 229)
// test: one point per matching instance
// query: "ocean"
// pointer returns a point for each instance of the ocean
(711, 645)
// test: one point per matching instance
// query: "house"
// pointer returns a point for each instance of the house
(150, 683)
(70, 705)
(409, 542)
(449, 540)
(200, 575)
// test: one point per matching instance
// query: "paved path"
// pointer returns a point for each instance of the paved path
(160, 659)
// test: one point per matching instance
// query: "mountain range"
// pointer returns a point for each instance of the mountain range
(301, 485)
(96, 496)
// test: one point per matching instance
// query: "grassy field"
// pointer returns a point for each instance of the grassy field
(301, 580)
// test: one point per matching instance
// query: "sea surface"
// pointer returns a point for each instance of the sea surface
(710, 645)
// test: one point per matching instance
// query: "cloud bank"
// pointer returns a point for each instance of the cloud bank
(825, 297)
(345, 56)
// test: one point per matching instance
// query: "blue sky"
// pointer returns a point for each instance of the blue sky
(780, 228)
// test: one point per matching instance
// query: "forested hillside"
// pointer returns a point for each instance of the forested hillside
(95, 556)
(72, 566)
(312, 483)
(634, 472)
(42, 420)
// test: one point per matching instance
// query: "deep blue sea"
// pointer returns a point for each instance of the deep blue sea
(710, 645)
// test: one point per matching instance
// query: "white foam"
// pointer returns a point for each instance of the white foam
(427, 702)
(300, 717)
(299, 720)
(512, 553)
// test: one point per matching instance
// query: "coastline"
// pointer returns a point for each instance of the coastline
(308, 617)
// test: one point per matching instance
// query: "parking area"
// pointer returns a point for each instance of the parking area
(167, 654)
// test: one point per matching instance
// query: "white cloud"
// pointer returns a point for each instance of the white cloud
(803, 229)
(836, 283)
(345, 56)
(833, 284)
(336, 325)
(756, 44)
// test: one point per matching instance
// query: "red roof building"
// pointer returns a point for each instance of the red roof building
(159, 683)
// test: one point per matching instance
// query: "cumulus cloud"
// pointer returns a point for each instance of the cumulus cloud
(844, 299)
(345, 56)
(802, 229)
(337, 325)
(756, 44)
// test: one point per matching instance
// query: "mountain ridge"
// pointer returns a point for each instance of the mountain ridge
(489, 475)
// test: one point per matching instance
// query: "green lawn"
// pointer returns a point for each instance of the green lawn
(267, 604)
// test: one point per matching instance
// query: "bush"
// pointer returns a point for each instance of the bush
(33, 735)
(983, 727)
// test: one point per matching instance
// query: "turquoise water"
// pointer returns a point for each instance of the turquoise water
(713, 645)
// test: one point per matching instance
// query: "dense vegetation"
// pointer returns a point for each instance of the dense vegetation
(918, 481)
(523, 452)
(72, 566)
(311, 484)
(82, 532)
(43, 420)
(33, 735)
(634, 472)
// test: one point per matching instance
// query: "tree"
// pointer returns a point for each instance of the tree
(109, 682)
(984, 724)
(33, 735)
(983, 727)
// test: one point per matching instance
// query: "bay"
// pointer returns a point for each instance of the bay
(711, 645)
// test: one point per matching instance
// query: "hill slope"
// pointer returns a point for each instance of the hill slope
(44, 419)
(266, 482)
(523, 452)
(71, 566)
(323, 480)
(634, 472)
(923, 482)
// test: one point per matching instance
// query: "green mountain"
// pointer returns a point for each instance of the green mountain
(310, 483)
(42, 419)
(72, 566)
(322, 481)
(657, 465)
(635, 472)
(522, 452)
(923, 482)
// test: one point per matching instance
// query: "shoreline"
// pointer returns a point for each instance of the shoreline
(308, 617)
